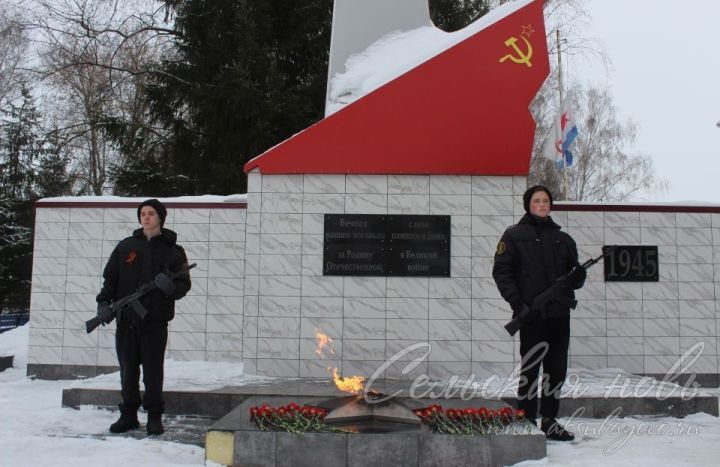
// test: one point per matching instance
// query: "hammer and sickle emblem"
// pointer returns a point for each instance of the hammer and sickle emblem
(522, 57)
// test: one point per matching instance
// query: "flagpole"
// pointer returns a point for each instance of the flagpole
(560, 83)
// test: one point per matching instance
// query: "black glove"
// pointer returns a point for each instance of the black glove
(164, 283)
(576, 277)
(104, 313)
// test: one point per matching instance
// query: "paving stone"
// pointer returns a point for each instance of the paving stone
(509, 449)
(454, 450)
(255, 448)
(382, 450)
(311, 449)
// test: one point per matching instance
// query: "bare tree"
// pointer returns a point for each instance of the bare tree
(13, 44)
(96, 55)
(604, 168)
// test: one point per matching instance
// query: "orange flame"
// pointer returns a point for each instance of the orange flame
(323, 341)
(352, 384)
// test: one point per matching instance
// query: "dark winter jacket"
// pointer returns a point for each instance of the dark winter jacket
(136, 261)
(529, 257)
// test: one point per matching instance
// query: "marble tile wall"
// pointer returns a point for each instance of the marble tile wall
(72, 245)
(259, 295)
(647, 327)
(373, 321)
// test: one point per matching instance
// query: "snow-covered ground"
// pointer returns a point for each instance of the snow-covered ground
(35, 430)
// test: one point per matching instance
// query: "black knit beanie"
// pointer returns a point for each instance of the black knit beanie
(157, 206)
(531, 191)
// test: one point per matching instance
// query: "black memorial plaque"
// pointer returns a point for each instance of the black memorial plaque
(632, 263)
(419, 246)
(386, 245)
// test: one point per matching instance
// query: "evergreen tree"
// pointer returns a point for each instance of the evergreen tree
(31, 166)
(53, 176)
(15, 254)
(452, 15)
(246, 75)
(19, 149)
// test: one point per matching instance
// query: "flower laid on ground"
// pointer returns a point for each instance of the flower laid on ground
(292, 418)
(470, 421)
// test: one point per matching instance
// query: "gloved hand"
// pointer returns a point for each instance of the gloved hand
(164, 283)
(576, 277)
(104, 313)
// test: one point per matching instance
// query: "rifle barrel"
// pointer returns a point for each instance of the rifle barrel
(514, 325)
(93, 323)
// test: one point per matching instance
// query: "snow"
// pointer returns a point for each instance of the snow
(400, 51)
(36, 430)
(15, 343)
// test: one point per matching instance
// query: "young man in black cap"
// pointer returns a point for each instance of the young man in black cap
(529, 257)
(149, 255)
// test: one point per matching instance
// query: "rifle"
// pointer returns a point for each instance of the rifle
(134, 300)
(552, 293)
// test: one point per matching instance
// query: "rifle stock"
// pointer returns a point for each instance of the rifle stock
(92, 323)
(133, 300)
(512, 327)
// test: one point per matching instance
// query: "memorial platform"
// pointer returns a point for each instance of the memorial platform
(221, 416)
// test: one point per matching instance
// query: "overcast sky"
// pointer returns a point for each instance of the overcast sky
(666, 77)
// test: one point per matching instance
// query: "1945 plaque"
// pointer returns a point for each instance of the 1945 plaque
(386, 245)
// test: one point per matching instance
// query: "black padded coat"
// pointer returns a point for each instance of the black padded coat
(529, 257)
(136, 261)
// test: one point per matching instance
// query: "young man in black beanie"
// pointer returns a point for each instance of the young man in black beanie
(529, 257)
(149, 255)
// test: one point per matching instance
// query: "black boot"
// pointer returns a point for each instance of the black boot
(128, 420)
(555, 431)
(154, 424)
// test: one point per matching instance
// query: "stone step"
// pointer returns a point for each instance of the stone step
(233, 439)
(218, 402)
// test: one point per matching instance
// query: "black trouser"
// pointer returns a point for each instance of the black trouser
(142, 345)
(543, 342)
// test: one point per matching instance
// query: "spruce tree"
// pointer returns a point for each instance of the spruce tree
(452, 15)
(19, 150)
(246, 74)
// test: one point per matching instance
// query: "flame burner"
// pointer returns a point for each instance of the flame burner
(372, 413)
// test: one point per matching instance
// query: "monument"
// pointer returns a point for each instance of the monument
(377, 225)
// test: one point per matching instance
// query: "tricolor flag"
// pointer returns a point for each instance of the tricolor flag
(562, 134)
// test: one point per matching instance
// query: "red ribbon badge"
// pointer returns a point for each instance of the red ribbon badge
(131, 257)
